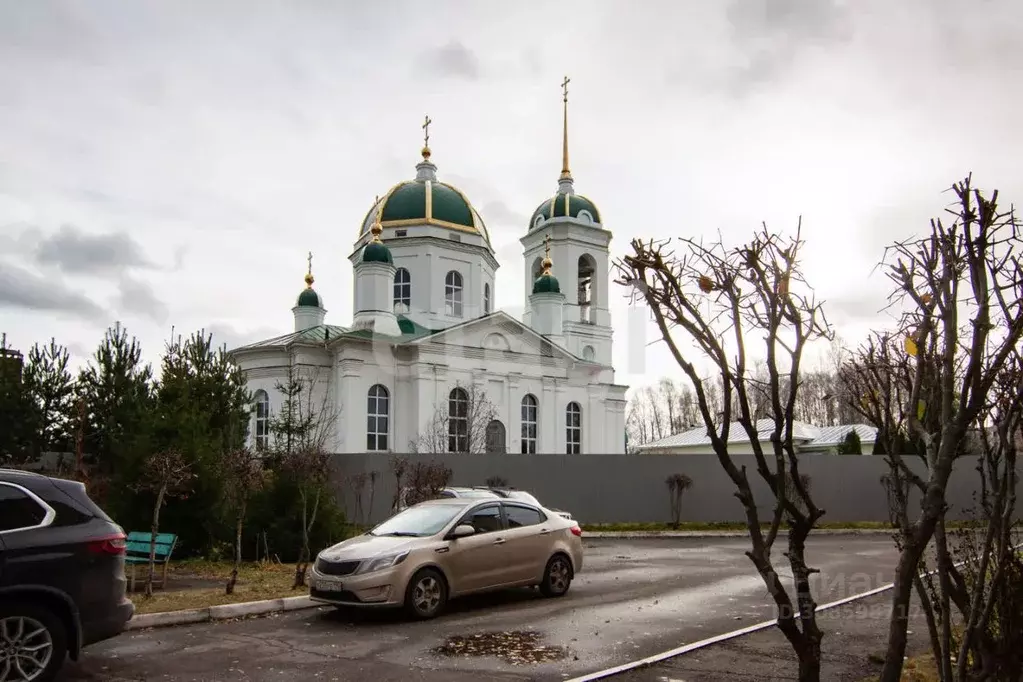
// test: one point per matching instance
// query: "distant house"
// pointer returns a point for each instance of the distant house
(807, 439)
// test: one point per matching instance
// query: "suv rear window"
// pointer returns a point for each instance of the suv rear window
(18, 510)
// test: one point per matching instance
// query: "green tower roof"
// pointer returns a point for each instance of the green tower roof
(564, 205)
(310, 298)
(376, 252)
(546, 284)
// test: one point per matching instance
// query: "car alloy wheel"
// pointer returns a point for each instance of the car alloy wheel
(26, 648)
(427, 595)
(557, 578)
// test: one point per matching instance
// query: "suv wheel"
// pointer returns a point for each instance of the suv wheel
(33, 643)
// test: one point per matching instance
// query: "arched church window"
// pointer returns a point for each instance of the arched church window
(378, 418)
(530, 417)
(458, 420)
(587, 268)
(574, 429)
(402, 291)
(486, 299)
(589, 354)
(453, 293)
(262, 430)
(497, 440)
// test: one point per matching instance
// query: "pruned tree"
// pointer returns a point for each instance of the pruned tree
(301, 430)
(458, 426)
(309, 468)
(989, 644)
(716, 299)
(496, 482)
(417, 481)
(243, 475)
(677, 485)
(166, 474)
(960, 289)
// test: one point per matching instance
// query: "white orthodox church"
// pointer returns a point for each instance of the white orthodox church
(425, 333)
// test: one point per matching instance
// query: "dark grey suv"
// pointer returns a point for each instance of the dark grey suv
(62, 584)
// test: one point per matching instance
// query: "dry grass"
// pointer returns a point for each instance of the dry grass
(920, 669)
(197, 584)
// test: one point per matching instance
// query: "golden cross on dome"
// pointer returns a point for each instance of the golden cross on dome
(547, 246)
(564, 87)
(426, 131)
(309, 272)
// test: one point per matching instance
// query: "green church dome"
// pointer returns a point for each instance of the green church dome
(565, 205)
(425, 202)
(546, 284)
(310, 298)
(376, 252)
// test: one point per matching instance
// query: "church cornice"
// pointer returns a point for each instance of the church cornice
(425, 240)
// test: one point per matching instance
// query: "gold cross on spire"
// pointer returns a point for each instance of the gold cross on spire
(309, 272)
(547, 262)
(426, 136)
(566, 174)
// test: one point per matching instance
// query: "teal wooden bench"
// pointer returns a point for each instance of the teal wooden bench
(137, 554)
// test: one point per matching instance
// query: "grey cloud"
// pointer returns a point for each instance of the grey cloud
(772, 33)
(499, 213)
(25, 290)
(453, 59)
(77, 252)
(138, 298)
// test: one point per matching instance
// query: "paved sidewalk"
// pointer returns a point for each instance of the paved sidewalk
(852, 633)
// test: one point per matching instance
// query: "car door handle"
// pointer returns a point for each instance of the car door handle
(499, 541)
(545, 531)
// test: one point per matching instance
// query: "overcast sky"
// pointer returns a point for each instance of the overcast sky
(171, 163)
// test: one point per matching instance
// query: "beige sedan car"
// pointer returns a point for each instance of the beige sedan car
(437, 550)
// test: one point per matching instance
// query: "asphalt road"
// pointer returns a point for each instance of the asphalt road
(634, 598)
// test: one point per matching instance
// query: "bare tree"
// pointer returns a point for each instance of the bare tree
(167, 474)
(962, 291)
(243, 474)
(301, 431)
(458, 426)
(990, 643)
(717, 298)
(417, 481)
(677, 485)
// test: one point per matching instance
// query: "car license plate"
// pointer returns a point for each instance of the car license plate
(329, 585)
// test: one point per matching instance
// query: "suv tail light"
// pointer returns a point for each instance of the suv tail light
(577, 531)
(110, 544)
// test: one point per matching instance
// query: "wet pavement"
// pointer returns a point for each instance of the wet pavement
(634, 598)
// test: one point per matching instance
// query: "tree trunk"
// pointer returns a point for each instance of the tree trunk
(303, 554)
(237, 550)
(902, 592)
(809, 652)
(152, 540)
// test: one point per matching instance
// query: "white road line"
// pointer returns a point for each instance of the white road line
(693, 646)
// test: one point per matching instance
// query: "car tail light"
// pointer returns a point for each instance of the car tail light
(577, 531)
(109, 544)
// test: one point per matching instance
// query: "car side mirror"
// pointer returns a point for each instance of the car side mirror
(462, 531)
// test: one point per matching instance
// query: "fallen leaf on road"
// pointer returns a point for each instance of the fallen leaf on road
(513, 647)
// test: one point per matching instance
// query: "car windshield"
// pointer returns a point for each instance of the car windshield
(418, 522)
(525, 497)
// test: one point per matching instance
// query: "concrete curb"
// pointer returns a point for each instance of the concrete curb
(220, 612)
(640, 534)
